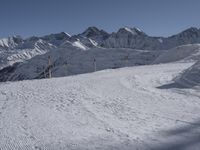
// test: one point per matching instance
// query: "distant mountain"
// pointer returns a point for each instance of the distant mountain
(137, 39)
(91, 37)
(73, 60)
(18, 56)
(56, 39)
(189, 36)
(10, 42)
(131, 38)
(95, 34)
(16, 49)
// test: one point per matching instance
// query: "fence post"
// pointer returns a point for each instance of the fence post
(44, 72)
(49, 66)
(65, 67)
(95, 65)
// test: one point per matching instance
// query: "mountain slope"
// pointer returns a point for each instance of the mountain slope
(95, 34)
(24, 50)
(190, 77)
(15, 49)
(72, 60)
(112, 109)
(131, 38)
(181, 53)
(110, 50)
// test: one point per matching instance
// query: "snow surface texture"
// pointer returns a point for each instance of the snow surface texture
(118, 109)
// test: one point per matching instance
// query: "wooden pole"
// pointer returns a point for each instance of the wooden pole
(95, 65)
(66, 68)
(44, 72)
(49, 66)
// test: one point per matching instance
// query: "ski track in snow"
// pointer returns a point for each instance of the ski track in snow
(106, 110)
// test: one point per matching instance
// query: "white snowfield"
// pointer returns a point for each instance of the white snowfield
(121, 109)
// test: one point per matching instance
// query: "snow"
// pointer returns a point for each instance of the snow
(8, 42)
(188, 52)
(133, 38)
(190, 77)
(130, 30)
(160, 40)
(79, 61)
(133, 31)
(93, 42)
(4, 42)
(143, 107)
(79, 45)
(23, 52)
(68, 34)
(121, 109)
(138, 29)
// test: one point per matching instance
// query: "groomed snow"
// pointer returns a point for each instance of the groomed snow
(118, 109)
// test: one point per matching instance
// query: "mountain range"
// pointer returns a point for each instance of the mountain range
(28, 58)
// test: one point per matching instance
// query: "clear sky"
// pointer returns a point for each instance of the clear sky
(40, 17)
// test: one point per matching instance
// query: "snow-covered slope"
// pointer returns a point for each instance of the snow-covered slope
(25, 50)
(184, 53)
(113, 109)
(10, 42)
(116, 46)
(190, 77)
(15, 49)
(73, 60)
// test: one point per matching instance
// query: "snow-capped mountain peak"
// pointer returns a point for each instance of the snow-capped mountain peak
(94, 31)
(67, 34)
(57, 36)
(132, 31)
(15, 49)
(94, 34)
(191, 29)
(10, 42)
(190, 32)
(91, 31)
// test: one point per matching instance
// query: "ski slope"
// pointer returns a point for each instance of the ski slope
(121, 109)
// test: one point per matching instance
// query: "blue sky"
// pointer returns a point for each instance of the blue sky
(40, 17)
